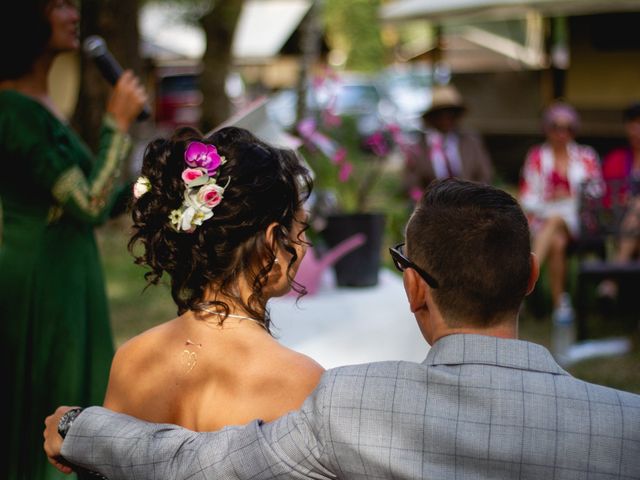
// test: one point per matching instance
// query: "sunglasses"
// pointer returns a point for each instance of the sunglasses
(561, 127)
(402, 262)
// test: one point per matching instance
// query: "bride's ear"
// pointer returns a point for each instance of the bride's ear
(270, 239)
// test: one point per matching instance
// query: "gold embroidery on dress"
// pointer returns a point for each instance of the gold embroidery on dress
(91, 198)
(118, 149)
(68, 182)
(55, 212)
(111, 160)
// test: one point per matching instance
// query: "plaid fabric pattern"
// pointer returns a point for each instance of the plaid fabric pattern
(477, 408)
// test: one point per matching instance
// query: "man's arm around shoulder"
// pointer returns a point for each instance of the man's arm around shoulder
(119, 446)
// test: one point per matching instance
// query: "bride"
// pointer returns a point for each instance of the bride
(222, 218)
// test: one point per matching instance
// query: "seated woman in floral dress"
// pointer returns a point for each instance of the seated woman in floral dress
(551, 179)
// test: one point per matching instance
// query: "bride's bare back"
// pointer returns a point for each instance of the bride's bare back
(195, 374)
(221, 216)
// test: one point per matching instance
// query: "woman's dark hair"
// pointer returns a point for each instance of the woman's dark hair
(266, 185)
(631, 113)
(24, 33)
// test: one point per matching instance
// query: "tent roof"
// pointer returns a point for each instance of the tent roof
(265, 26)
(444, 10)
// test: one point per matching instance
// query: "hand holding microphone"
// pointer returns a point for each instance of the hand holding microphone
(129, 99)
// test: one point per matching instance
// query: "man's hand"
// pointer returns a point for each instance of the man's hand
(53, 440)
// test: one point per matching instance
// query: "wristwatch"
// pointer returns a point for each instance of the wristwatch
(67, 420)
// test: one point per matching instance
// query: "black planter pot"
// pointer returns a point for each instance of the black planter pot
(360, 267)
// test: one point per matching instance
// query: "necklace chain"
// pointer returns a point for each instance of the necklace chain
(240, 317)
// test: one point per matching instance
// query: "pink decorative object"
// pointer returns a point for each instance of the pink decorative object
(311, 268)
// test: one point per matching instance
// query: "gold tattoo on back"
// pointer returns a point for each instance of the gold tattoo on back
(190, 357)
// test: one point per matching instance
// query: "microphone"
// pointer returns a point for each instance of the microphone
(96, 49)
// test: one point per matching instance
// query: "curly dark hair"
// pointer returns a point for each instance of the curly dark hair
(267, 185)
(24, 33)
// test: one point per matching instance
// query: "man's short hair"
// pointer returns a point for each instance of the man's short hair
(474, 240)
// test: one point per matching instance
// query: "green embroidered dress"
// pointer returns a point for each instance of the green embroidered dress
(55, 335)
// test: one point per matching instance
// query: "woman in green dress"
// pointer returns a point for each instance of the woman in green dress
(54, 325)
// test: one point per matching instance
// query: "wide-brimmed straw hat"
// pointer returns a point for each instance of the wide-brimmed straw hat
(445, 97)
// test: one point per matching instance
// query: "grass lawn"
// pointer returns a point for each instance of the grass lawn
(134, 310)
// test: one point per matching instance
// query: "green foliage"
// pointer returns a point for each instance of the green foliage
(133, 308)
(354, 28)
(351, 194)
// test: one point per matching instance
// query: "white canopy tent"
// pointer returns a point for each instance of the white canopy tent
(470, 10)
(265, 26)
(262, 30)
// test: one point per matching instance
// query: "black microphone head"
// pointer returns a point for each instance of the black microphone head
(94, 46)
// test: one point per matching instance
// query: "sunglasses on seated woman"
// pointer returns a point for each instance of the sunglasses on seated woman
(402, 262)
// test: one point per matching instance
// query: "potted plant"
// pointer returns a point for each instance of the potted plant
(348, 163)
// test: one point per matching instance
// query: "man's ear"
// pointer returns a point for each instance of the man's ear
(415, 288)
(535, 272)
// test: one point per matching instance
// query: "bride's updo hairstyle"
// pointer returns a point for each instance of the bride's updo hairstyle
(265, 185)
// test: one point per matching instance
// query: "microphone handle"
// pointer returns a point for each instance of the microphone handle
(109, 67)
(111, 71)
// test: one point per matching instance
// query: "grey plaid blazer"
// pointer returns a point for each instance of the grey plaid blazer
(477, 408)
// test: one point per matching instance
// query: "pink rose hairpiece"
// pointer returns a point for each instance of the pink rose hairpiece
(202, 192)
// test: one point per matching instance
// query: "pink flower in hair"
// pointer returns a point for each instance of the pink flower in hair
(191, 174)
(200, 154)
(210, 195)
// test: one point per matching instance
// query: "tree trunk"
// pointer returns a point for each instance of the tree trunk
(219, 26)
(310, 45)
(117, 22)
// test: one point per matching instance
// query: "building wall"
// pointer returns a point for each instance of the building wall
(603, 77)
(605, 64)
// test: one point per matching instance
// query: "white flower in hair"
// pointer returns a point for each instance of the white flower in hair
(142, 186)
(175, 217)
(192, 218)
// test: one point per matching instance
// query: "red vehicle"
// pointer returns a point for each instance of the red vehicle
(178, 97)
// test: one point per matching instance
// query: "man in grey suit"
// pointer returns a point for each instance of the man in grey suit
(482, 404)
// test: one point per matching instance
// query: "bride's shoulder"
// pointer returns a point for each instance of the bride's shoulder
(292, 370)
(151, 341)
(137, 364)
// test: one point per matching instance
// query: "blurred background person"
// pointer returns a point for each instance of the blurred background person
(56, 338)
(445, 149)
(621, 172)
(551, 180)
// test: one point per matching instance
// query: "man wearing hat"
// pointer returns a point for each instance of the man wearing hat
(443, 149)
